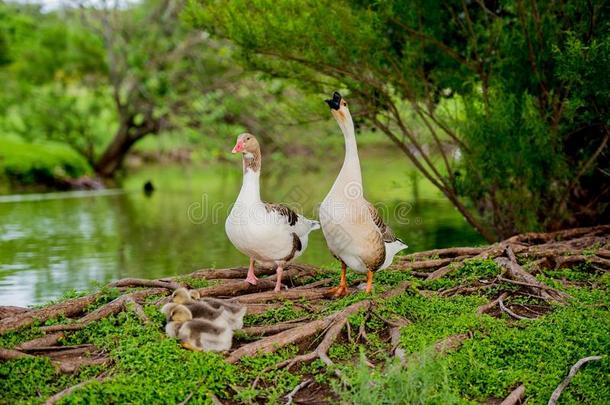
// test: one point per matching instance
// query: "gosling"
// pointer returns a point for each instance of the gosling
(199, 334)
(204, 308)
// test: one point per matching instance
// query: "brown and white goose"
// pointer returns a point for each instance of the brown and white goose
(354, 231)
(267, 233)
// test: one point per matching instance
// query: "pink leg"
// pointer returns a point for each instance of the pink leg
(278, 283)
(251, 278)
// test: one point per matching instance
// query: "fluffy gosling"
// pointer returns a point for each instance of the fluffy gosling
(199, 334)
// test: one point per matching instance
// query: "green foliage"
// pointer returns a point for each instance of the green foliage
(41, 162)
(273, 383)
(521, 91)
(80, 77)
(538, 355)
(193, 282)
(12, 339)
(30, 380)
(469, 271)
(512, 154)
(435, 318)
(286, 312)
(424, 381)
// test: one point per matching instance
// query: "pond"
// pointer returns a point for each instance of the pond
(53, 243)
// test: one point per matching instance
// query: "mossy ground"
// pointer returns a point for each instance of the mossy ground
(500, 354)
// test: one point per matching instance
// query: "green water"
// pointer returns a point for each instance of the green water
(52, 243)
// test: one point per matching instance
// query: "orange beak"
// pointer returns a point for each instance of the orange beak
(239, 146)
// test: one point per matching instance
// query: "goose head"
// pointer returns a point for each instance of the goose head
(181, 296)
(246, 144)
(180, 313)
(339, 110)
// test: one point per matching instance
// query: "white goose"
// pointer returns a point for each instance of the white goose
(354, 231)
(267, 233)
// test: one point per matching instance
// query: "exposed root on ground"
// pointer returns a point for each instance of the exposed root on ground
(571, 374)
(515, 397)
(551, 250)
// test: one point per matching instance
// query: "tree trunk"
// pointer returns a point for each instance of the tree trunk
(126, 136)
(114, 154)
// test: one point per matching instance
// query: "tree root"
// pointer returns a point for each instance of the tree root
(235, 288)
(429, 264)
(8, 311)
(515, 397)
(557, 393)
(272, 343)
(511, 313)
(271, 329)
(487, 307)
(291, 394)
(450, 343)
(10, 354)
(104, 311)
(516, 273)
(556, 249)
(332, 324)
(534, 237)
(293, 294)
(66, 308)
(47, 340)
(140, 282)
(66, 359)
(241, 272)
(64, 393)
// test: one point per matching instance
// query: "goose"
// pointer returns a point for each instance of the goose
(199, 334)
(354, 231)
(207, 308)
(268, 233)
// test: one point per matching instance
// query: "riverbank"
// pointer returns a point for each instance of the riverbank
(456, 325)
(38, 166)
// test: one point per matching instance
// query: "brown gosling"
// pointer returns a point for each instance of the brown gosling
(199, 334)
(209, 308)
(235, 312)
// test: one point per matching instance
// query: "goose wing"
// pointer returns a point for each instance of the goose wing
(285, 213)
(386, 233)
(294, 222)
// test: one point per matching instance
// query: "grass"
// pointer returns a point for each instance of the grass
(23, 163)
(500, 354)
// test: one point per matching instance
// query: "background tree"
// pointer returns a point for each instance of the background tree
(502, 105)
(156, 70)
(102, 76)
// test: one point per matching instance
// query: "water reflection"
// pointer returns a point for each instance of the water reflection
(51, 245)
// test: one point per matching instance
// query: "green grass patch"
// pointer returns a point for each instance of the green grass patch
(470, 271)
(286, 312)
(422, 382)
(538, 354)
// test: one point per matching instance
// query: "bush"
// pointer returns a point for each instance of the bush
(32, 163)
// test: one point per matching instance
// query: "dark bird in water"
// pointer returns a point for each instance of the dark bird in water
(148, 188)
